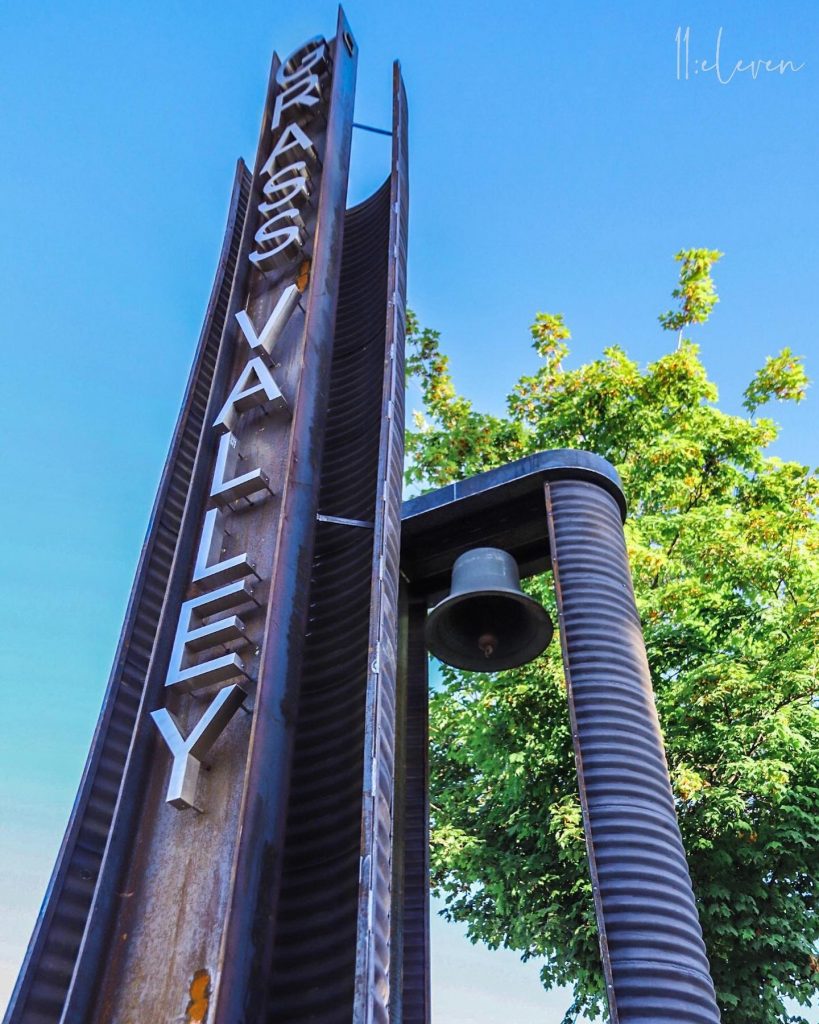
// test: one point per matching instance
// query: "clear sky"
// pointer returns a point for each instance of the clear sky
(557, 164)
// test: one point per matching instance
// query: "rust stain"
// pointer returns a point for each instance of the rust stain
(199, 992)
(304, 276)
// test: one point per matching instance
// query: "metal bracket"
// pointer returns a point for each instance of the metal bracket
(341, 521)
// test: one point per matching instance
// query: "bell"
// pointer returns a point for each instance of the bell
(487, 623)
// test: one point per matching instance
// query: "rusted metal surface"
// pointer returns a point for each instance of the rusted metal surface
(142, 944)
(345, 721)
(314, 960)
(40, 994)
(410, 1001)
(399, 800)
(273, 901)
(651, 942)
(166, 906)
(502, 507)
(246, 953)
(374, 898)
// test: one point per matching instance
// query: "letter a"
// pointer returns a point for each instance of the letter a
(292, 137)
(246, 394)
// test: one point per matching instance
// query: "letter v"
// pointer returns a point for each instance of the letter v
(188, 753)
(262, 344)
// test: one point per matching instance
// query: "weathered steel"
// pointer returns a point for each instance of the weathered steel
(313, 974)
(283, 901)
(651, 942)
(338, 837)
(208, 913)
(501, 508)
(410, 989)
(399, 800)
(250, 934)
(126, 906)
(374, 899)
(145, 951)
(40, 993)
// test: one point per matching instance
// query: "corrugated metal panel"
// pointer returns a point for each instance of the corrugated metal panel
(651, 940)
(46, 973)
(315, 928)
(248, 956)
(373, 938)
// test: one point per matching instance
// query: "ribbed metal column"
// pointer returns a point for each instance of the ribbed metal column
(651, 942)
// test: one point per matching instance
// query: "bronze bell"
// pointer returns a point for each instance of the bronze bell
(487, 623)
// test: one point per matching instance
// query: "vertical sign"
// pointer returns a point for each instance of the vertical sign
(170, 855)
(230, 586)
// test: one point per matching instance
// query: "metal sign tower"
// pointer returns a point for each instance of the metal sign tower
(249, 842)
(232, 823)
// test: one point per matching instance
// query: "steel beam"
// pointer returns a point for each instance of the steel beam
(410, 1001)
(652, 952)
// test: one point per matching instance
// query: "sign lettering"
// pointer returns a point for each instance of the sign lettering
(227, 581)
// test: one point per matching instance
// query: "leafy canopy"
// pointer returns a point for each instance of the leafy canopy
(696, 290)
(724, 547)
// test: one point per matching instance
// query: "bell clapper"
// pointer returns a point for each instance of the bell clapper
(488, 644)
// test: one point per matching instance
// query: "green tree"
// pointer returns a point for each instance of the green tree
(695, 291)
(724, 547)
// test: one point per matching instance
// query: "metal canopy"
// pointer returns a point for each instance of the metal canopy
(499, 508)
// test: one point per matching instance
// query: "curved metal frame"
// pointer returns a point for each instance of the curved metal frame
(652, 953)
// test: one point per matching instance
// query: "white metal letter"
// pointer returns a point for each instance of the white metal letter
(225, 571)
(262, 344)
(291, 137)
(274, 229)
(292, 182)
(306, 56)
(201, 637)
(304, 91)
(246, 394)
(288, 238)
(188, 753)
(223, 491)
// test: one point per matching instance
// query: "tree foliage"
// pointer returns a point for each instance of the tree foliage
(724, 547)
(695, 291)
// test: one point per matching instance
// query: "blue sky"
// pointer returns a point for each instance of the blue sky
(557, 164)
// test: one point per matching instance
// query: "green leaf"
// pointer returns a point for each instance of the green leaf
(724, 547)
